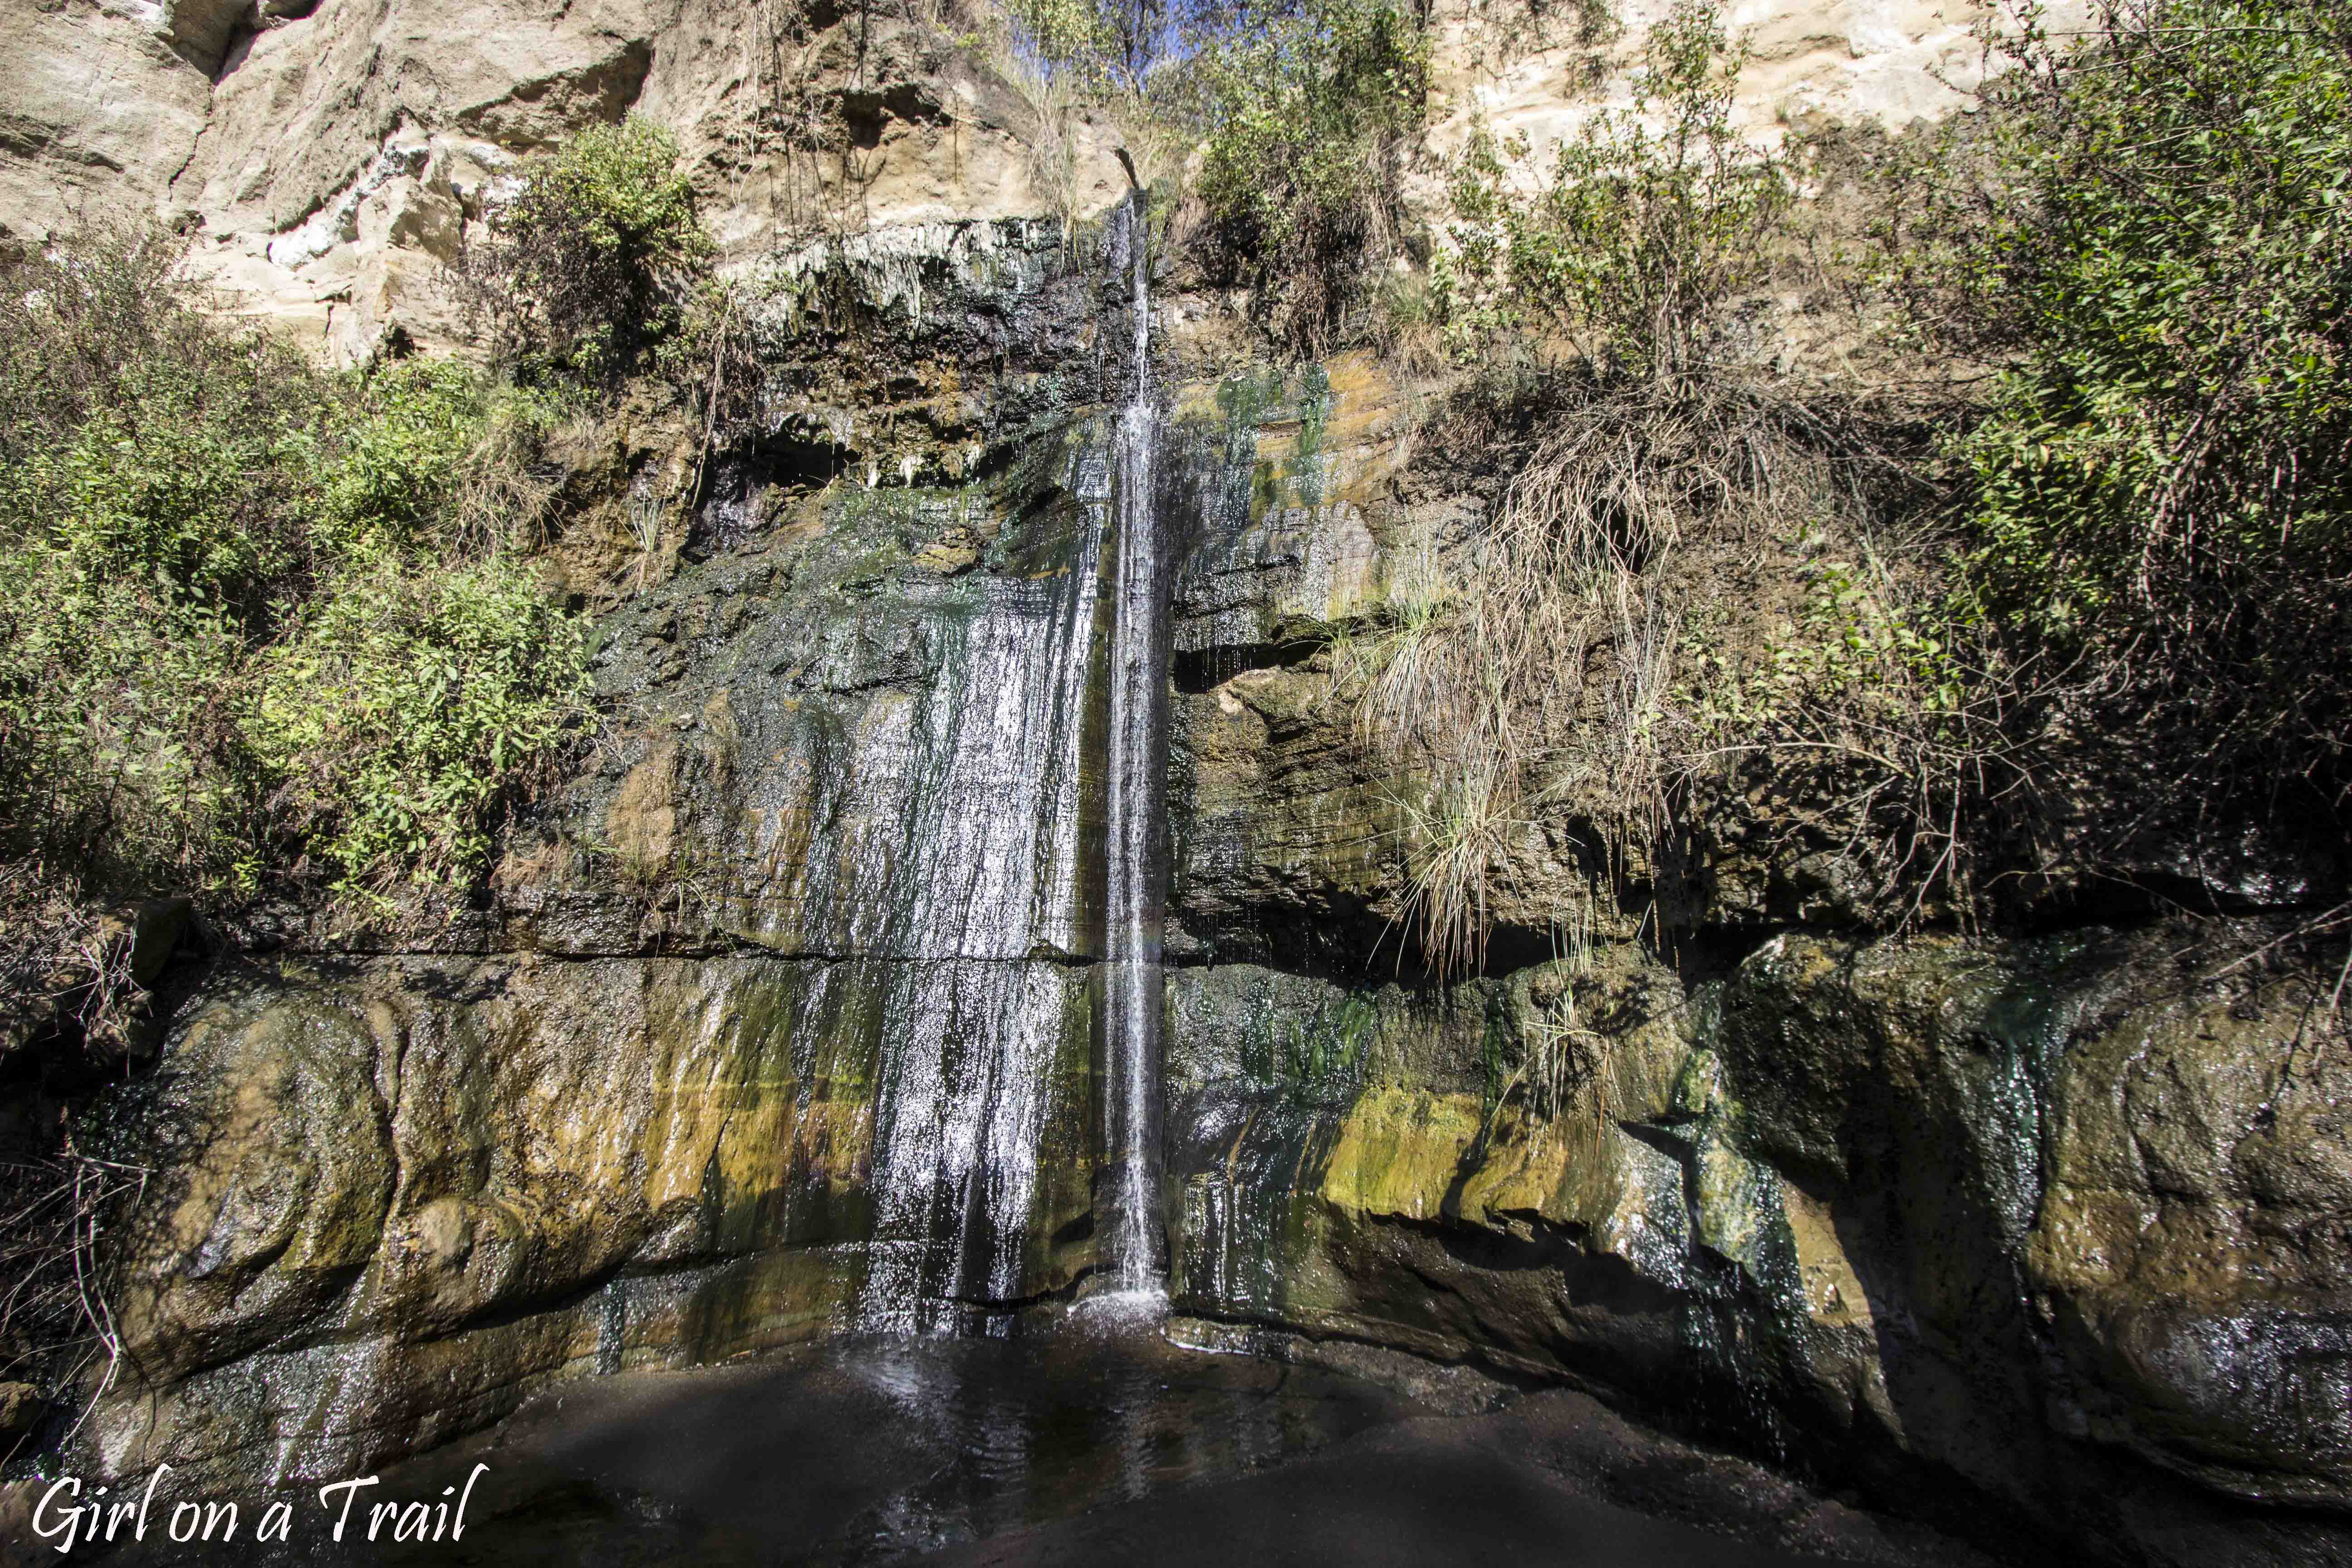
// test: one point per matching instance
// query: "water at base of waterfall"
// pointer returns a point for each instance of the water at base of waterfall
(1064, 1444)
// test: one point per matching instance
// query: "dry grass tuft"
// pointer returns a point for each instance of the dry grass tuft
(1582, 653)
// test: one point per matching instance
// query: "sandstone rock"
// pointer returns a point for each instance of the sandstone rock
(279, 1167)
(267, 131)
(202, 31)
(21, 1405)
(390, 1190)
(97, 114)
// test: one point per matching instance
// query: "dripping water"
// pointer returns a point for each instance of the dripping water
(981, 772)
(970, 1022)
(1133, 1237)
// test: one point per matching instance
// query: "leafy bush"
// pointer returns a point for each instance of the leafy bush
(241, 612)
(2154, 244)
(405, 704)
(593, 263)
(145, 466)
(1309, 109)
(401, 458)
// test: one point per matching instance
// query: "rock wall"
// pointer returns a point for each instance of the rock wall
(2041, 1237)
(325, 158)
(2042, 1234)
(1979, 1228)
(769, 1006)
(2038, 1235)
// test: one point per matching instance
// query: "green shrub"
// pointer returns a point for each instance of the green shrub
(401, 458)
(593, 263)
(2153, 246)
(146, 465)
(139, 449)
(216, 562)
(1311, 110)
(404, 705)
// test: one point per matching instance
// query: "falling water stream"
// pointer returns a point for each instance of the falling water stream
(970, 1019)
(988, 900)
(1133, 1245)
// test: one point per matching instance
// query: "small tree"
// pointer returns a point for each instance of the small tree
(1651, 219)
(593, 263)
(1310, 110)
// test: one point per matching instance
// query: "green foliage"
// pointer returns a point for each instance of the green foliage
(401, 456)
(2173, 257)
(1854, 647)
(405, 704)
(243, 618)
(166, 489)
(140, 450)
(595, 259)
(1111, 44)
(1309, 110)
(2156, 247)
(1649, 221)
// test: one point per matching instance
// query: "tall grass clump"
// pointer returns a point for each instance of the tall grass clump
(1596, 301)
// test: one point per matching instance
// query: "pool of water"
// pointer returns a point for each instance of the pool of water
(1081, 1441)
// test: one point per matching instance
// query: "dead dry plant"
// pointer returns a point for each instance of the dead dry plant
(55, 1320)
(1542, 665)
(507, 493)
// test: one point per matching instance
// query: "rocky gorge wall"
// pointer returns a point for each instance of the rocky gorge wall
(2039, 1234)
(325, 159)
(2041, 1228)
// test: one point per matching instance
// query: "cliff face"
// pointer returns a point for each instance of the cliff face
(324, 158)
(786, 1011)
(2042, 1231)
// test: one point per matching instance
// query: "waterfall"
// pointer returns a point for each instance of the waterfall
(989, 876)
(1133, 1240)
(967, 945)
